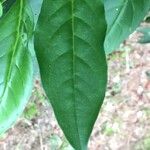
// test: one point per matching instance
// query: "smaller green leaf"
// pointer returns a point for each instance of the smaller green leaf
(123, 17)
(31, 111)
(146, 35)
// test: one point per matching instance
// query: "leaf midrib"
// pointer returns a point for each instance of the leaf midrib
(14, 48)
(73, 69)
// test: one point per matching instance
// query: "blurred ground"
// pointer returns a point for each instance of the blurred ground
(124, 120)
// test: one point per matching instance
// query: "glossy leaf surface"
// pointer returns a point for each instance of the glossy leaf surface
(15, 63)
(69, 45)
(123, 17)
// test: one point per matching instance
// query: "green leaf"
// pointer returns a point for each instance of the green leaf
(69, 46)
(123, 17)
(7, 5)
(1, 9)
(31, 111)
(15, 63)
(36, 7)
(146, 34)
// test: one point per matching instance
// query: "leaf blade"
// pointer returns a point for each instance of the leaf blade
(15, 64)
(72, 63)
(123, 17)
